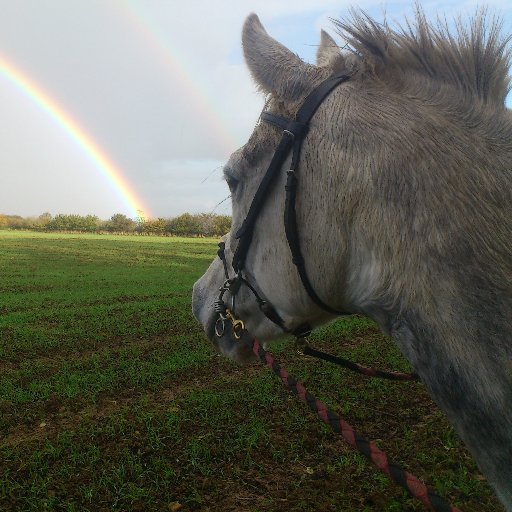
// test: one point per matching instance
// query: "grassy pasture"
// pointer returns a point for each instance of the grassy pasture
(111, 399)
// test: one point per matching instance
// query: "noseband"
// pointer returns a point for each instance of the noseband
(293, 135)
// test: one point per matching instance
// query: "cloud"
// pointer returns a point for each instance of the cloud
(164, 91)
(196, 186)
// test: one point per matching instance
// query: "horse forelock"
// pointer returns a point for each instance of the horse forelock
(474, 58)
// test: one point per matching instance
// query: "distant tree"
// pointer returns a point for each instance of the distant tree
(187, 224)
(14, 222)
(43, 220)
(212, 225)
(120, 223)
(58, 223)
(30, 223)
(140, 220)
(205, 222)
(155, 226)
(73, 222)
(221, 225)
(184, 225)
(91, 223)
(169, 225)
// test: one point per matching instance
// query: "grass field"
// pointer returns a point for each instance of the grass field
(111, 398)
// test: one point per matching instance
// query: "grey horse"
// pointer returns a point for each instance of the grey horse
(404, 210)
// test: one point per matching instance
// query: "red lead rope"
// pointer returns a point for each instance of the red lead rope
(409, 482)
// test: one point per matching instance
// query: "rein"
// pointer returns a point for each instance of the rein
(408, 481)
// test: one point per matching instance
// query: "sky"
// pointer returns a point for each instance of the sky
(115, 106)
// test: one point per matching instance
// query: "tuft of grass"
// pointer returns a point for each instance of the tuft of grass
(112, 399)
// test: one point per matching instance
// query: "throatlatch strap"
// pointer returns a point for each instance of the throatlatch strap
(304, 115)
(292, 235)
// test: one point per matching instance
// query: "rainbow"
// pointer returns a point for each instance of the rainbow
(91, 149)
(189, 80)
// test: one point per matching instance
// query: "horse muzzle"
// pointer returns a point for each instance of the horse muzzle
(226, 332)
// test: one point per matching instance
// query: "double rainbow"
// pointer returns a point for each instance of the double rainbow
(91, 149)
(180, 72)
(190, 80)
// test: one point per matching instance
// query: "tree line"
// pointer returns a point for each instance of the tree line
(187, 224)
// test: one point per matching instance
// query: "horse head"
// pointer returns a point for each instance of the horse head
(403, 211)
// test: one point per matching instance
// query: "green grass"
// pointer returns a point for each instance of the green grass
(111, 398)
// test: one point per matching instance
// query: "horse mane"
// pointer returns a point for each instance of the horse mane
(474, 58)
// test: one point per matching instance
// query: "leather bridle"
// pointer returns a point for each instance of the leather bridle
(293, 135)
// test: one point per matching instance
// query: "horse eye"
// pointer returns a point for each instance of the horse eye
(231, 180)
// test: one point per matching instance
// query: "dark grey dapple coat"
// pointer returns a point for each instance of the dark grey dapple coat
(408, 211)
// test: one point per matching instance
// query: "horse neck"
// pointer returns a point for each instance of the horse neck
(467, 367)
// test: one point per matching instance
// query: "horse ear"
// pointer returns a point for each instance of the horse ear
(329, 54)
(274, 68)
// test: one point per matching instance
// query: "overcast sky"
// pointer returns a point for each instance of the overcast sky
(159, 86)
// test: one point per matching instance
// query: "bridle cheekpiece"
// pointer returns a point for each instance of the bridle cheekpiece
(294, 132)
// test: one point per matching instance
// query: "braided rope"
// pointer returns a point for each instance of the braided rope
(409, 482)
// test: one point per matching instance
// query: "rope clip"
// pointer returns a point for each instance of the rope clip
(226, 314)
(237, 324)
